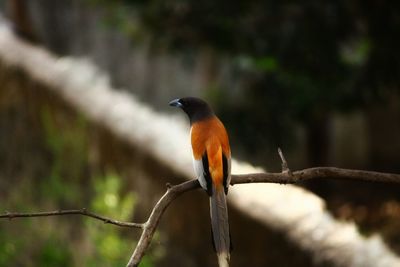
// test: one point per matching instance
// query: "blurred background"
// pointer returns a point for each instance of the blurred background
(321, 80)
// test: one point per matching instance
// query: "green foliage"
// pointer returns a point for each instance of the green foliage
(9, 248)
(68, 146)
(54, 253)
(111, 245)
(119, 16)
(111, 248)
(356, 53)
(68, 182)
(266, 64)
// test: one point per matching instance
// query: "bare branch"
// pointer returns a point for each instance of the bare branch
(84, 212)
(150, 226)
(286, 177)
(173, 191)
(316, 173)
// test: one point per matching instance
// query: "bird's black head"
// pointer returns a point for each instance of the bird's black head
(196, 108)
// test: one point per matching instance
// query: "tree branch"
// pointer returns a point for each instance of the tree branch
(316, 173)
(285, 177)
(84, 212)
(150, 226)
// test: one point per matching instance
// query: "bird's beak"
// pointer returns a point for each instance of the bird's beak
(175, 103)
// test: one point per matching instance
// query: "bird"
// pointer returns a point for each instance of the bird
(212, 165)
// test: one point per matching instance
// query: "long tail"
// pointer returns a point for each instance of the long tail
(220, 226)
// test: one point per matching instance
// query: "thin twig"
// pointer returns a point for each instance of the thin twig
(285, 166)
(84, 212)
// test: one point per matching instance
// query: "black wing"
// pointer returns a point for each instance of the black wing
(206, 173)
(226, 163)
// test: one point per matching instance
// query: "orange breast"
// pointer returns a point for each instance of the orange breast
(210, 135)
